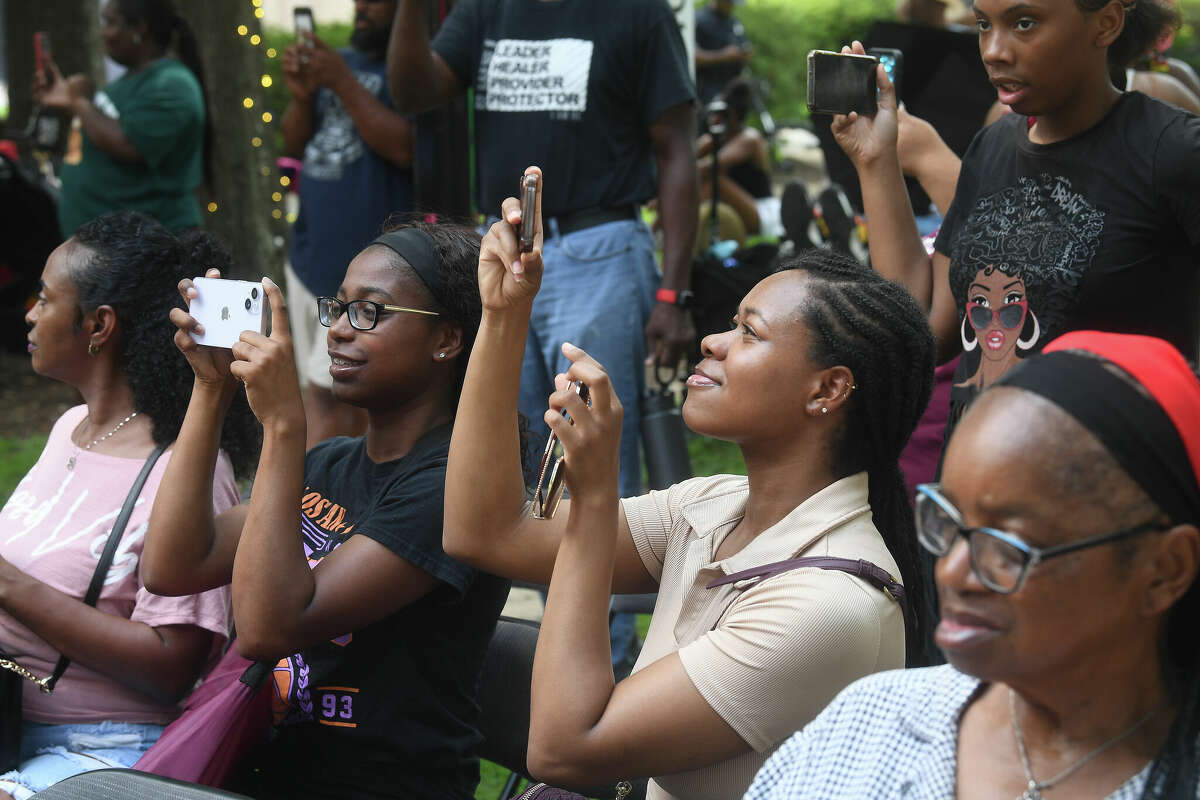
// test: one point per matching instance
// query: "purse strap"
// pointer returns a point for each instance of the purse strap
(106, 557)
(875, 575)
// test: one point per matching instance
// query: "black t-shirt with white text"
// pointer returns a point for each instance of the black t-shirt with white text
(572, 86)
(388, 710)
(1097, 232)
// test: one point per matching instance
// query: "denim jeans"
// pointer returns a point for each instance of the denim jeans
(50, 753)
(597, 292)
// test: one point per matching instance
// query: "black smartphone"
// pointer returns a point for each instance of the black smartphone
(529, 188)
(41, 53)
(302, 18)
(892, 60)
(839, 83)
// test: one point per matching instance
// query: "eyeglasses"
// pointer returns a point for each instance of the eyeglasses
(364, 314)
(1011, 315)
(999, 559)
(552, 476)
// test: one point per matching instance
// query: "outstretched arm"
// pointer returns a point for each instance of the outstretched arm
(188, 549)
(280, 603)
(896, 249)
(486, 522)
(600, 731)
(418, 77)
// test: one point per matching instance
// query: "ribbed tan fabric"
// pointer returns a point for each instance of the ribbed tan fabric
(768, 657)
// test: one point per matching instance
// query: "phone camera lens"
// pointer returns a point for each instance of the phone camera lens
(247, 304)
(253, 293)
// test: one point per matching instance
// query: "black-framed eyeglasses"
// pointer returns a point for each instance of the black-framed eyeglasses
(1001, 560)
(364, 314)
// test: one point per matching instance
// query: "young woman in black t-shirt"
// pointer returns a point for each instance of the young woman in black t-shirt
(337, 567)
(1080, 210)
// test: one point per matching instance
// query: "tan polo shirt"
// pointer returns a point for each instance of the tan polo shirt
(767, 657)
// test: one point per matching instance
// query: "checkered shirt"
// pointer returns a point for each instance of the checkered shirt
(890, 735)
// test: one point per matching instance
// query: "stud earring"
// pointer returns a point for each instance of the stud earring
(441, 355)
(92, 349)
(824, 410)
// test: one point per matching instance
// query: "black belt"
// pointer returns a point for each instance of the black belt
(591, 217)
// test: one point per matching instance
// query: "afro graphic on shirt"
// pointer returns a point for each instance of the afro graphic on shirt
(1016, 266)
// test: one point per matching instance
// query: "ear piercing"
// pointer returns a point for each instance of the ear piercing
(441, 355)
(92, 349)
(824, 410)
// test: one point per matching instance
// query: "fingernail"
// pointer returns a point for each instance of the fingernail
(199, 328)
(268, 281)
(569, 346)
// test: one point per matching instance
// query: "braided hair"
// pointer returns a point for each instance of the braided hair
(129, 261)
(171, 32)
(875, 329)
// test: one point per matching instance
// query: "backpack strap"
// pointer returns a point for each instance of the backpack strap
(110, 551)
(871, 573)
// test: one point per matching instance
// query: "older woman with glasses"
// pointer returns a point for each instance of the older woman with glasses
(1066, 527)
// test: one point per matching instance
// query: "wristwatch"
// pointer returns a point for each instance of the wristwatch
(682, 297)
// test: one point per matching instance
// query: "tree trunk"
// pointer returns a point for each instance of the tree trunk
(74, 29)
(240, 204)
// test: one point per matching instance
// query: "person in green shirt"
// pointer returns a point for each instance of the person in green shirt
(143, 139)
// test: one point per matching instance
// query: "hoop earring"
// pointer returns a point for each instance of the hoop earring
(971, 345)
(92, 349)
(1031, 342)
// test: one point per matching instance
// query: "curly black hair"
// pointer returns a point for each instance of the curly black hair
(1145, 22)
(874, 328)
(132, 263)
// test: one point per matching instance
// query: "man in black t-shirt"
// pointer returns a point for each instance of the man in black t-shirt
(721, 48)
(599, 96)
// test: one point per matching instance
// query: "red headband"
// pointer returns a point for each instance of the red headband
(1159, 368)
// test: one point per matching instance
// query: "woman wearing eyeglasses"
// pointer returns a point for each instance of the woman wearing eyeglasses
(1066, 527)
(337, 565)
(820, 382)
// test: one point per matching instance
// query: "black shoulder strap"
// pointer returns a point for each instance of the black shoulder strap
(871, 573)
(110, 550)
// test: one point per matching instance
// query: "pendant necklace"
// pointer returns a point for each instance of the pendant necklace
(94, 442)
(1034, 790)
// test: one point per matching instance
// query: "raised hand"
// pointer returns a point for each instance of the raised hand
(211, 364)
(868, 139)
(267, 365)
(508, 278)
(591, 437)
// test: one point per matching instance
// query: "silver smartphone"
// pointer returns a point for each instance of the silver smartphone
(226, 308)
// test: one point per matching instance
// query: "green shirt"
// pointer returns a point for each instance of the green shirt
(161, 111)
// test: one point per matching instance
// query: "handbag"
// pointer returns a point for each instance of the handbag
(222, 720)
(540, 791)
(10, 692)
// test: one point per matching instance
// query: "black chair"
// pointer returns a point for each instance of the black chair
(504, 690)
(129, 784)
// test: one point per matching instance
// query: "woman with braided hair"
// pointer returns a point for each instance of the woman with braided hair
(146, 137)
(820, 382)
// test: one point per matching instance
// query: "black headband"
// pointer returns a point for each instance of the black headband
(415, 246)
(1131, 425)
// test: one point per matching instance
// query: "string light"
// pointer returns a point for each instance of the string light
(277, 197)
(248, 102)
(258, 12)
(277, 214)
(272, 52)
(266, 172)
(212, 208)
(242, 30)
(266, 81)
(256, 141)
(267, 117)
(284, 180)
(256, 40)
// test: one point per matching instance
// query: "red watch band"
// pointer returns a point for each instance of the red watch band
(667, 296)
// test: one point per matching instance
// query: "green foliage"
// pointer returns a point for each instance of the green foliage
(335, 35)
(1187, 40)
(17, 456)
(783, 31)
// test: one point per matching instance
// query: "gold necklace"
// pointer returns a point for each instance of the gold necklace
(94, 442)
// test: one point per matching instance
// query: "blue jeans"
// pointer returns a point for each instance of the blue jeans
(597, 292)
(50, 753)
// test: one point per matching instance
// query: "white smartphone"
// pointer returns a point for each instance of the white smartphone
(226, 308)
